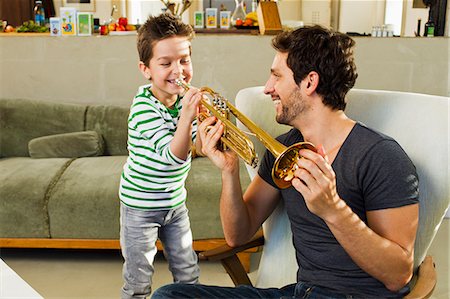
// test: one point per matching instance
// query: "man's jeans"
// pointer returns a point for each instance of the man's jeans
(139, 231)
(299, 290)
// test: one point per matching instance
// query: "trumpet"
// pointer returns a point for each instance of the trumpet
(285, 157)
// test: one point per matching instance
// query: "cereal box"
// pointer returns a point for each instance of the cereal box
(55, 26)
(85, 23)
(68, 17)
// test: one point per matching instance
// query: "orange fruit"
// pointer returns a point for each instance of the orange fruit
(248, 22)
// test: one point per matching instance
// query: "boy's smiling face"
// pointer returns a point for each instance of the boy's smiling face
(171, 60)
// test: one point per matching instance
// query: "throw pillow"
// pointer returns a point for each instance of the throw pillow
(67, 145)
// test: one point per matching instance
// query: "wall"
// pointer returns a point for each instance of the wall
(352, 16)
(413, 15)
(103, 70)
(360, 16)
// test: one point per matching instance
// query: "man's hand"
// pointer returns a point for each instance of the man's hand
(316, 181)
(210, 132)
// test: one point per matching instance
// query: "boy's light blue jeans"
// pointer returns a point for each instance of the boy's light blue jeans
(138, 234)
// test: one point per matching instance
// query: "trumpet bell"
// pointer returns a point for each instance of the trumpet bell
(285, 165)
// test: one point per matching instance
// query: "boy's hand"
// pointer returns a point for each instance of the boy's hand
(190, 103)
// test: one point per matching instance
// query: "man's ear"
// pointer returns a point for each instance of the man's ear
(145, 70)
(311, 82)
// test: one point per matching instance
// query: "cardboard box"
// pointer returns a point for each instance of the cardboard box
(85, 23)
(68, 17)
(55, 26)
(199, 20)
(211, 17)
(225, 19)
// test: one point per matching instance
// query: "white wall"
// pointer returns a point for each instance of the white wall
(316, 12)
(103, 69)
(360, 15)
(447, 21)
(412, 15)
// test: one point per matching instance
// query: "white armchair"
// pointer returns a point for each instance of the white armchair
(420, 123)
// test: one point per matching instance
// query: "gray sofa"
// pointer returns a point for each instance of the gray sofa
(60, 166)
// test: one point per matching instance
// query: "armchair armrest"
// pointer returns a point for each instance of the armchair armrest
(225, 251)
(426, 280)
(228, 257)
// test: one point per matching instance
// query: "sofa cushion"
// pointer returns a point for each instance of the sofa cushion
(23, 120)
(111, 123)
(85, 202)
(204, 185)
(24, 187)
(67, 145)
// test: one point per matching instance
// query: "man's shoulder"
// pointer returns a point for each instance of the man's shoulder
(368, 141)
(366, 132)
(366, 137)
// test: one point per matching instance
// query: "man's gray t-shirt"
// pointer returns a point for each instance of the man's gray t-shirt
(372, 173)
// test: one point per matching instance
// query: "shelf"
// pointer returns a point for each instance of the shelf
(226, 31)
(24, 34)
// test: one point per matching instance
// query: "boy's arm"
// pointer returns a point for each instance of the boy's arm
(181, 143)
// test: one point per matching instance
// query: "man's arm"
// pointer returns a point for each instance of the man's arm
(384, 248)
(242, 215)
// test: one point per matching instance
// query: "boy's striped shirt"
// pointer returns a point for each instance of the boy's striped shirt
(153, 177)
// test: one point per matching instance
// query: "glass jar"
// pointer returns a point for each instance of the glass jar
(238, 13)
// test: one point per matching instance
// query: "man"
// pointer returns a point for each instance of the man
(353, 204)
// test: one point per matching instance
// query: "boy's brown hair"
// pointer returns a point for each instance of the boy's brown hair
(157, 28)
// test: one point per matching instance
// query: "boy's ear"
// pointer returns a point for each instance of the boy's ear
(145, 70)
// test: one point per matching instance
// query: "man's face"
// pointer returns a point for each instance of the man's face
(286, 94)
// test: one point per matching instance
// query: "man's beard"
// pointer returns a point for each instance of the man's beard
(291, 108)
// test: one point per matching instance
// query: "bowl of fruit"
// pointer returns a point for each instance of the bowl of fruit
(121, 27)
(250, 21)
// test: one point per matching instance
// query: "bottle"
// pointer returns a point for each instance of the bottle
(254, 5)
(238, 15)
(429, 28)
(39, 13)
(419, 21)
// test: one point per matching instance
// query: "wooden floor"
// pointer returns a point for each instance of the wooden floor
(96, 274)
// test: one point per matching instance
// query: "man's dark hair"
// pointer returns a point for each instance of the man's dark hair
(324, 51)
(157, 28)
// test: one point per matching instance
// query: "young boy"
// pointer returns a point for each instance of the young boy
(161, 129)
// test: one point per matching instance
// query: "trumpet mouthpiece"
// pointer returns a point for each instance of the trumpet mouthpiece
(181, 83)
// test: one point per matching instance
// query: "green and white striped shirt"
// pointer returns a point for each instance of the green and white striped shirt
(153, 177)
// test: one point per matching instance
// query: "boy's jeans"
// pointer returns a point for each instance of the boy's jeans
(138, 234)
